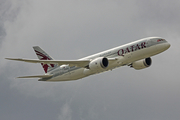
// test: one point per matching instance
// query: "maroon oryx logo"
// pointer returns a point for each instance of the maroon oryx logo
(44, 57)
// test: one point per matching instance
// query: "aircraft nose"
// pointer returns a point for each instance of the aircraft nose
(167, 45)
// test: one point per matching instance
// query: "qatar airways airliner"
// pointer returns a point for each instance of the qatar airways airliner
(136, 54)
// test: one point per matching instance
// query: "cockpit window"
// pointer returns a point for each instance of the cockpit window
(159, 40)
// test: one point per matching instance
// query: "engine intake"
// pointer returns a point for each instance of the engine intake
(97, 65)
(141, 64)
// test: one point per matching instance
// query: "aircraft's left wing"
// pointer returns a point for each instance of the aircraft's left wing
(78, 63)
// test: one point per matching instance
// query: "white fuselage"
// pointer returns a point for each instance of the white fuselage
(125, 55)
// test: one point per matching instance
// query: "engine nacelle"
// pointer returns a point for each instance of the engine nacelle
(96, 65)
(141, 64)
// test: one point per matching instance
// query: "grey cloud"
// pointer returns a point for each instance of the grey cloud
(8, 12)
(74, 29)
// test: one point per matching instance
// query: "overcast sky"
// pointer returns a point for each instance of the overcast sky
(68, 29)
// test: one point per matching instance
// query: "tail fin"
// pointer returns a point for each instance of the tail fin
(42, 55)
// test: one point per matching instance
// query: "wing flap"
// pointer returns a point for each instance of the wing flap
(36, 76)
(78, 63)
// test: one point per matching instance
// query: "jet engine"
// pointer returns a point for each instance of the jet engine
(96, 65)
(141, 64)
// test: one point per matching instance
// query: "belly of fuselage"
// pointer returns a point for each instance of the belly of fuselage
(73, 75)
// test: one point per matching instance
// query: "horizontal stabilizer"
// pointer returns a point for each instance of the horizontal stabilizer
(36, 76)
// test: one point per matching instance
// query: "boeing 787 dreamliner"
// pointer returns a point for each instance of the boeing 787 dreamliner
(136, 54)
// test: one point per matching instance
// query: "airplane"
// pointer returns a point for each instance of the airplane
(136, 54)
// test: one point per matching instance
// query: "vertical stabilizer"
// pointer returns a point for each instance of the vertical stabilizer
(42, 55)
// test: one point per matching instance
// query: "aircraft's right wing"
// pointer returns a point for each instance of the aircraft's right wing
(78, 63)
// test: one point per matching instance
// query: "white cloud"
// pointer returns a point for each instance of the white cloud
(65, 113)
